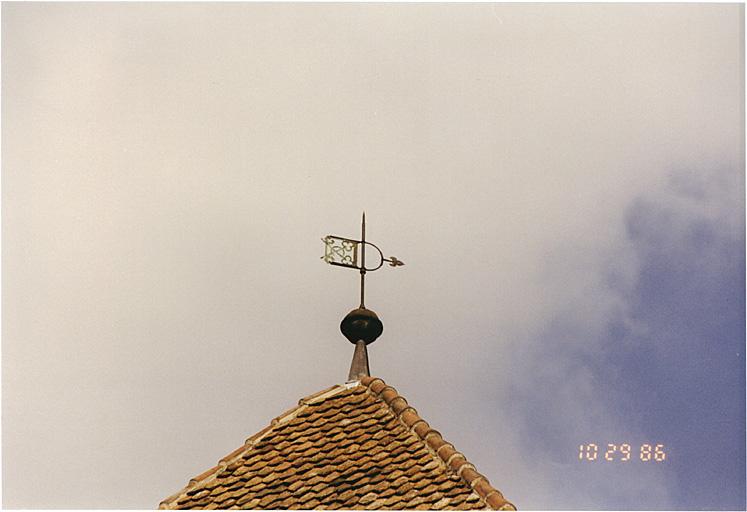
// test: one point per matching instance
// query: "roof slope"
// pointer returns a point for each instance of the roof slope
(357, 446)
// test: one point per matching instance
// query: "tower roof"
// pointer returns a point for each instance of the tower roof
(353, 446)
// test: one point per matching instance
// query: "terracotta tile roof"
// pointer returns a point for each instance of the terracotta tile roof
(357, 446)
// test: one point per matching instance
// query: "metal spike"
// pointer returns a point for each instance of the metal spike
(359, 366)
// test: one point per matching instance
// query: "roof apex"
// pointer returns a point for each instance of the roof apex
(452, 461)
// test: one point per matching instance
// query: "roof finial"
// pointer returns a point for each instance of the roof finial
(361, 326)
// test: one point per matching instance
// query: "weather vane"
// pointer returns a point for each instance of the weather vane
(345, 252)
(361, 326)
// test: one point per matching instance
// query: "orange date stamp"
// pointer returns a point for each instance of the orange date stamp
(622, 453)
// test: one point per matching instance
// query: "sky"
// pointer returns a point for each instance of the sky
(565, 184)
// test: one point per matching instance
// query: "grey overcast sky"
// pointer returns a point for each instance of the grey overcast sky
(564, 182)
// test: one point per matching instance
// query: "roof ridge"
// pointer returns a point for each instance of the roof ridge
(455, 460)
(249, 443)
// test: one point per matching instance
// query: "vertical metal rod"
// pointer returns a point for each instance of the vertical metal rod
(363, 258)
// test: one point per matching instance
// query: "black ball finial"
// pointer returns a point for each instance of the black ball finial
(361, 324)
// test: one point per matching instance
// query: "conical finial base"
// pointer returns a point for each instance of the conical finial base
(359, 366)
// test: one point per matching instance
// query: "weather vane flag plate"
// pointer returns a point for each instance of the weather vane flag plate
(341, 251)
